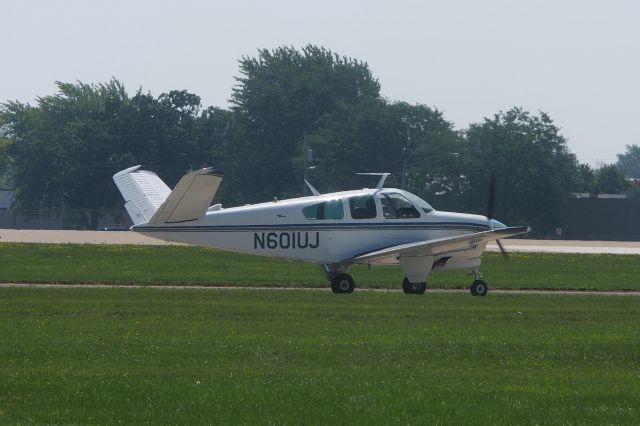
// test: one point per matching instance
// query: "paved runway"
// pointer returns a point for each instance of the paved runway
(568, 246)
(129, 237)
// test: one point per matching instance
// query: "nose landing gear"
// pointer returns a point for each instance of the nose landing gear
(413, 288)
(342, 283)
(478, 287)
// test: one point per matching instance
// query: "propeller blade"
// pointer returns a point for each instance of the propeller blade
(492, 196)
(502, 250)
(490, 203)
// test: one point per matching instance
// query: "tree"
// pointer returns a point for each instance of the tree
(59, 146)
(609, 180)
(531, 162)
(66, 148)
(586, 179)
(5, 159)
(279, 98)
(214, 146)
(361, 137)
(412, 142)
(629, 162)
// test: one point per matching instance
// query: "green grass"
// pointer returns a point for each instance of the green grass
(129, 264)
(87, 356)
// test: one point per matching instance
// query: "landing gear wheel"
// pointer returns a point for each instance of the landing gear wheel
(342, 283)
(479, 288)
(413, 288)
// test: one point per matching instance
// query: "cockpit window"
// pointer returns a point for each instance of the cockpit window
(395, 206)
(363, 207)
(331, 209)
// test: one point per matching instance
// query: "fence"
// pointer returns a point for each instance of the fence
(61, 219)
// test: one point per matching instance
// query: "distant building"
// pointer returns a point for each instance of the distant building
(614, 217)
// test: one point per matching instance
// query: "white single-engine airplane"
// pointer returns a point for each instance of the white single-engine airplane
(336, 230)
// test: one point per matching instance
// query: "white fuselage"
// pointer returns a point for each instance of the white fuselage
(288, 229)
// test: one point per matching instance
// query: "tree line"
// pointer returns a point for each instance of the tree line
(293, 112)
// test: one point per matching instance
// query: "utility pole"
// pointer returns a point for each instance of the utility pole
(403, 174)
(307, 157)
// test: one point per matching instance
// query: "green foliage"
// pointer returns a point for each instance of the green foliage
(535, 172)
(412, 142)
(609, 179)
(586, 179)
(629, 162)
(61, 148)
(280, 96)
(85, 356)
(5, 162)
(66, 148)
(62, 152)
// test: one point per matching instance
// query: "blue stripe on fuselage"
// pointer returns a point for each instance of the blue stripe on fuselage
(454, 226)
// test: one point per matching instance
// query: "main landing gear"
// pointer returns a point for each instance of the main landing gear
(342, 283)
(478, 287)
(336, 273)
(413, 288)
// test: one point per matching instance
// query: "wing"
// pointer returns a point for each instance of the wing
(438, 246)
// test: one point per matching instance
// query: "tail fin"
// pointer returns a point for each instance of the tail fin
(149, 200)
(143, 192)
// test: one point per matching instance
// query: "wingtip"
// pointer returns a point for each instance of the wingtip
(212, 171)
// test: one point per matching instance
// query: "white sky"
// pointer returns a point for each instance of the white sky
(577, 60)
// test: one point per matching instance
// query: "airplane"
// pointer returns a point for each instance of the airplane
(336, 230)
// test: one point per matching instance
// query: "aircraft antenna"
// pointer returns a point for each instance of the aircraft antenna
(313, 190)
(383, 177)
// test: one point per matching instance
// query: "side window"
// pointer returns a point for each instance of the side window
(328, 210)
(363, 207)
(333, 209)
(395, 206)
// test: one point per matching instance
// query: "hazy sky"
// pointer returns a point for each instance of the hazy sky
(577, 60)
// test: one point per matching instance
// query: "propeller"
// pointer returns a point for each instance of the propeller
(490, 210)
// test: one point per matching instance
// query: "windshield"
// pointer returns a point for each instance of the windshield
(418, 202)
(396, 206)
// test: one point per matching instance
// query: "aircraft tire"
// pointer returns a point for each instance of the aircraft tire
(413, 288)
(479, 288)
(342, 283)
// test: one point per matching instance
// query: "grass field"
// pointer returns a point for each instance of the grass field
(129, 264)
(87, 356)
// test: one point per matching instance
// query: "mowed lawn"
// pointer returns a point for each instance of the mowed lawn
(161, 356)
(130, 264)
